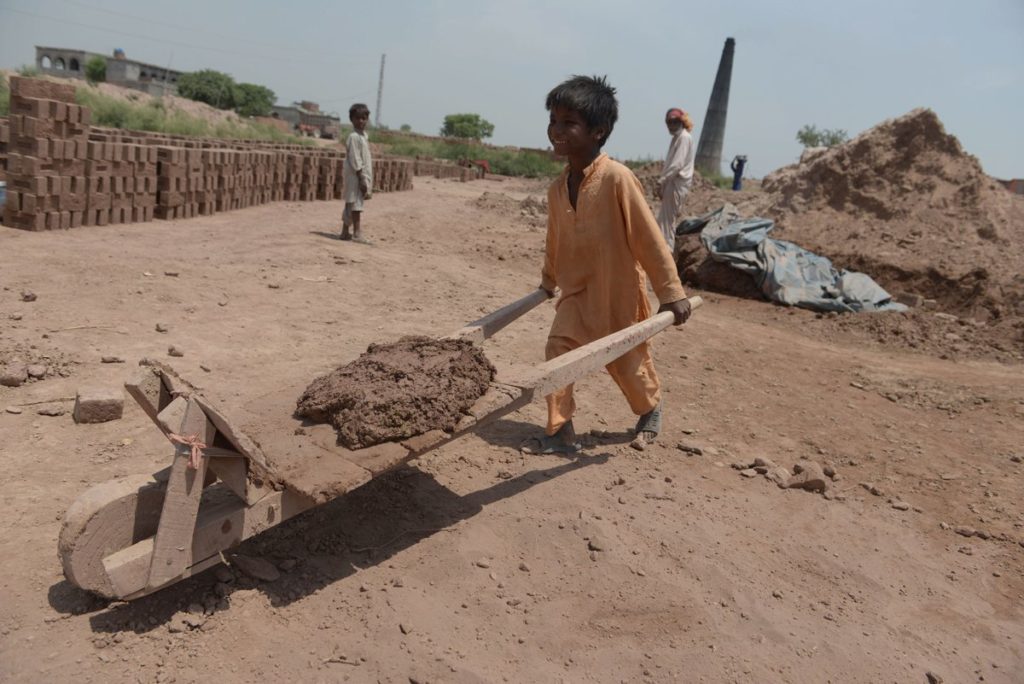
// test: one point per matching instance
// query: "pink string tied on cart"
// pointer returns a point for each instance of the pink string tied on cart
(194, 443)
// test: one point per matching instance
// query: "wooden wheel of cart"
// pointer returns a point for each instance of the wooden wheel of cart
(107, 518)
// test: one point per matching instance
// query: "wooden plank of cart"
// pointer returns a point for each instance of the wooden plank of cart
(257, 465)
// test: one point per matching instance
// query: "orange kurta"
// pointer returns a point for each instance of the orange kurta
(597, 255)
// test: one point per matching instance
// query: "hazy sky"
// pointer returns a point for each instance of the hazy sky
(837, 65)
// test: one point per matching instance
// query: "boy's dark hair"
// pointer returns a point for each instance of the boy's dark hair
(357, 109)
(592, 97)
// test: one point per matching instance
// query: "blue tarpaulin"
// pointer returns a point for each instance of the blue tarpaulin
(784, 272)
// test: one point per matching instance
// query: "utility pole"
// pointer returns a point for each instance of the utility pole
(380, 93)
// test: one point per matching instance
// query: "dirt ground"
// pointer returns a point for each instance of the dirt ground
(480, 564)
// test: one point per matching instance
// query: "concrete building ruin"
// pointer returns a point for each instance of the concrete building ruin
(128, 73)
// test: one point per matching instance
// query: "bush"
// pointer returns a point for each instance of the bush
(810, 136)
(5, 98)
(253, 100)
(209, 86)
(28, 71)
(471, 126)
(96, 70)
(153, 116)
(506, 162)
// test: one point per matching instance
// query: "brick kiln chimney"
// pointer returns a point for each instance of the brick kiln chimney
(712, 133)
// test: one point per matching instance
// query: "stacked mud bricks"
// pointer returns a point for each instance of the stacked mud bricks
(392, 175)
(49, 139)
(5, 138)
(444, 169)
(65, 173)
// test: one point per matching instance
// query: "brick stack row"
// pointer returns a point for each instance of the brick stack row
(392, 175)
(444, 169)
(5, 137)
(120, 183)
(49, 136)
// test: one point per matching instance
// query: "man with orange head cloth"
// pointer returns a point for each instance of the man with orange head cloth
(677, 174)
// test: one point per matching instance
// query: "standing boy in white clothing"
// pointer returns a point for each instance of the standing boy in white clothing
(358, 173)
(677, 174)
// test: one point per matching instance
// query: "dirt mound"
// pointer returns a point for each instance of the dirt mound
(904, 203)
(396, 391)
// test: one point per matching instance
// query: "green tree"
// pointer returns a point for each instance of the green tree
(810, 136)
(253, 100)
(209, 86)
(467, 126)
(406, 128)
(96, 70)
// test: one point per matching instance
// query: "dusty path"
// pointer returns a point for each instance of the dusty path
(483, 565)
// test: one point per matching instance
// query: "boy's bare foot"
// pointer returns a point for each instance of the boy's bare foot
(563, 442)
(647, 429)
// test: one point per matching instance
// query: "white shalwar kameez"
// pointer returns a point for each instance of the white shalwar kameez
(675, 181)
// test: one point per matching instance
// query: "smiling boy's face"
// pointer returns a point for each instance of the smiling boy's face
(360, 120)
(570, 135)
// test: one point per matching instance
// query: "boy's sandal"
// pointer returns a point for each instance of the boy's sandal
(344, 237)
(362, 241)
(647, 428)
(537, 446)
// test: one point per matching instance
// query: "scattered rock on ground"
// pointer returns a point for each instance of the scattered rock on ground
(98, 405)
(257, 568)
(808, 475)
(13, 375)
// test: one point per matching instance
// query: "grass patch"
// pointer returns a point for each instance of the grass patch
(506, 162)
(153, 117)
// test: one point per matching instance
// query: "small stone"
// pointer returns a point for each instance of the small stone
(15, 317)
(1016, 458)
(695, 450)
(162, 327)
(943, 525)
(111, 359)
(274, 286)
(53, 411)
(13, 375)
(748, 472)
(404, 628)
(288, 564)
(28, 296)
(779, 476)
(933, 678)
(524, 567)
(37, 371)
(483, 563)
(777, 594)
(982, 534)
(810, 477)
(98, 405)
(257, 568)
(900, 505)
(171, 274)
(205, 368)
(174, 351)
(14, 410)
(871, 488)
(761, 462)
(739, 465)
(596, 544)
(964, 531)
(829, 471)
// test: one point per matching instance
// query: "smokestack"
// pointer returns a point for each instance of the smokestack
(712, 133)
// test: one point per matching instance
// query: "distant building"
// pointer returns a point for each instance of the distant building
(1016, 186)
(68, 63)
(305, 118)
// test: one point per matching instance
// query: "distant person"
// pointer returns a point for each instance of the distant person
(738, 162)
(677, 174)
(358, 174)
(600, 234)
